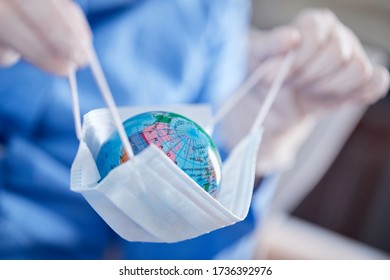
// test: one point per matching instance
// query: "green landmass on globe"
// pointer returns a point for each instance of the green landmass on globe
(181, 139)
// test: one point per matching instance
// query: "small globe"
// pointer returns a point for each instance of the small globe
(181, 139)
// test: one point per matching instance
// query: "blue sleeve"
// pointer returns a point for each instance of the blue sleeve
(39, 216)
(99, 6)
(21, 82)
(22, 90)
(226, 36)
(227, 52)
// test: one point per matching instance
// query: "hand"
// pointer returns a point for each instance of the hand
(331, 67)
(331, 70)
(51, 34)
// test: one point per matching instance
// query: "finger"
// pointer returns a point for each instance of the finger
(68, 32)
(368, 94)
(277, 41)
(376, 88)
(350, 76)
(315, 27)
(81, 30)
(8, 56)
(329, 59)
(271, 67)
(53, 47)
(29, 45)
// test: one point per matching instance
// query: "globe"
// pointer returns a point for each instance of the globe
(181, 139)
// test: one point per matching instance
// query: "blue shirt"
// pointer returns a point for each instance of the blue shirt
(153, 52)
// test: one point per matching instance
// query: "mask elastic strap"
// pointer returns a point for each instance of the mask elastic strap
(248, 85)
(243, 90)
(102, 84)
(75, 103)
(273, 91)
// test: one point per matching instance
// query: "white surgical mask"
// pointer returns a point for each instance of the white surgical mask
(149, 198)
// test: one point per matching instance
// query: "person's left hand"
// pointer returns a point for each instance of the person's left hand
(53, 35)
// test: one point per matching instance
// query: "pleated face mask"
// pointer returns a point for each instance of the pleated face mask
(154, 173)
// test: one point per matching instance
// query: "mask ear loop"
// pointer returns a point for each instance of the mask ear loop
(75, 103)
(247, 86)
(243, 90)
(105, 91)
(273, 91)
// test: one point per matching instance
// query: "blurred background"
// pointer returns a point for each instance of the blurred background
(335, 202)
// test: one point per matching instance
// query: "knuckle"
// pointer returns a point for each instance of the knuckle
(315, 28)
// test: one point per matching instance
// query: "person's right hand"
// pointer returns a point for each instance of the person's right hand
(51, 34)
(331, 70)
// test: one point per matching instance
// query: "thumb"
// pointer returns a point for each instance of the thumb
(277, 41)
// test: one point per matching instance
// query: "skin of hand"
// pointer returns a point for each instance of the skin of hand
(51, 34)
